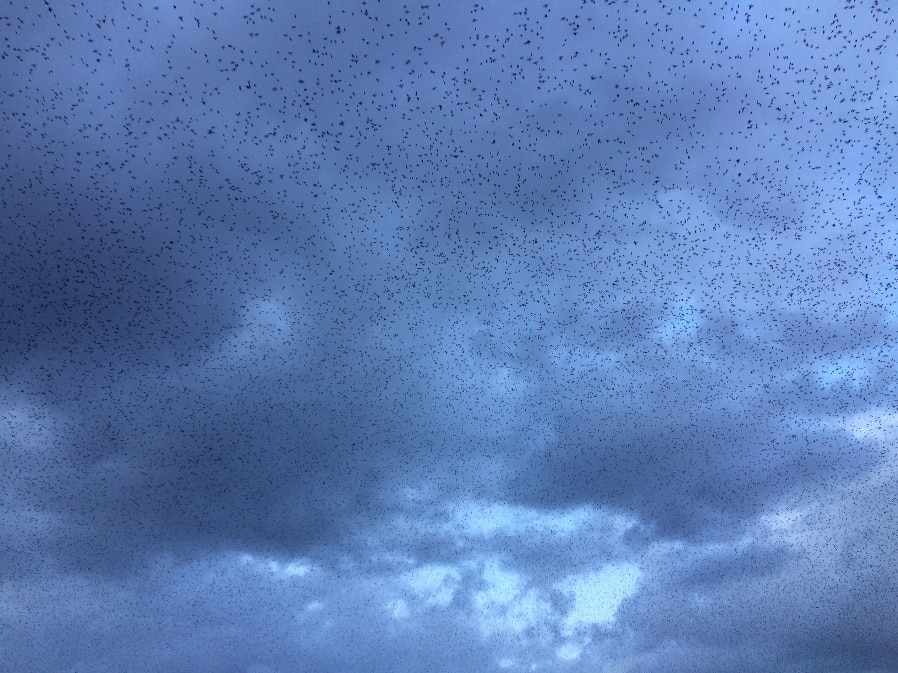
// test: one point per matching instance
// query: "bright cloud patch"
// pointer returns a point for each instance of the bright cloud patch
(435, 584)
(488, 519)
(853, 371)
(540, 613)
(597, 595)
(507, 605)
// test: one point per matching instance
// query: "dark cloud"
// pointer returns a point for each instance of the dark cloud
(736, 565)
(564, 331)
(678, 447)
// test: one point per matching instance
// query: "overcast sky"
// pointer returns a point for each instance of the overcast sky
(364, 336)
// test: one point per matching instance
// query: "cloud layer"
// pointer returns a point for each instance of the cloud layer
(365, 336)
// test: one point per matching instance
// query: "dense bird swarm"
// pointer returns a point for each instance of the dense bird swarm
(379, 336)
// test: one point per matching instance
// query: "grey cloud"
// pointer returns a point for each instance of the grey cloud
(690, 475)
(295, 280)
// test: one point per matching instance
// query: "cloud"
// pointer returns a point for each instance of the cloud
(448, 337)
(785, 589)
(597, 595)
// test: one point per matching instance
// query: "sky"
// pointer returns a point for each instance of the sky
(362, 336)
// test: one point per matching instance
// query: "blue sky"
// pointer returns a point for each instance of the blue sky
(371, 336)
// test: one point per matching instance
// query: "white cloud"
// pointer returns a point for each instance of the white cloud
(508, 606)
(434, 584)
(503, 584)
(296, 568)
(597, 595)
(569, 651)
(832, 371)
(398, 608)
(879, 424)
(486, 519)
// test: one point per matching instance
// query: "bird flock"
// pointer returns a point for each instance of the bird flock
(266, 266)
